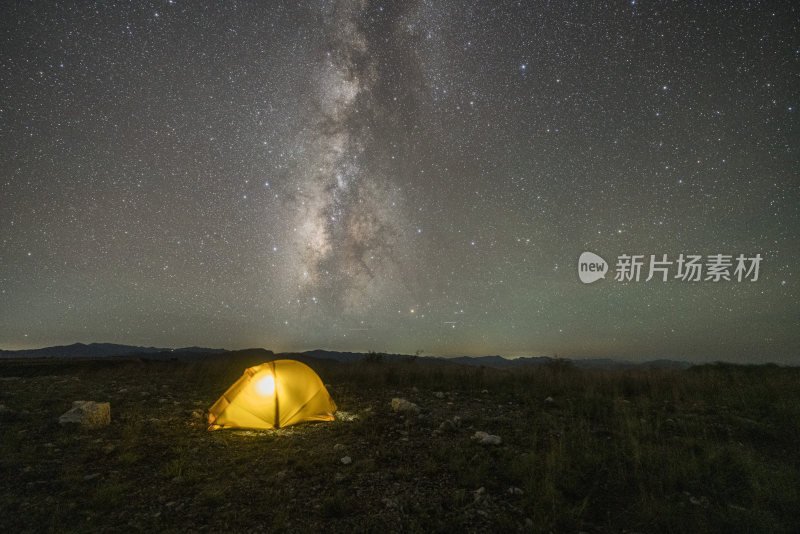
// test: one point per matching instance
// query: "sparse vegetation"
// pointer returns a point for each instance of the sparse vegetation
(708, 449)
(372, 358)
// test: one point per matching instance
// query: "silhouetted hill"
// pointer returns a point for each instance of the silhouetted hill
(102, 350)
(351, 357)
(499, 362)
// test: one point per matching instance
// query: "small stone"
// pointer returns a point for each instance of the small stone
(549, 400)
(338, 447)
(484, 438)
(439, 394)
(92, 476)
(485, 391)
(346, 460)
(513, 490)
(404, 406)
(197, 414)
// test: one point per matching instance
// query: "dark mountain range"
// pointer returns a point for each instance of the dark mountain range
(499, 362)
(102, 350)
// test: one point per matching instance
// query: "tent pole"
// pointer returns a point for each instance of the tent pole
(275, 381)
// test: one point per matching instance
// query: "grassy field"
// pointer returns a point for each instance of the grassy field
(708, 449)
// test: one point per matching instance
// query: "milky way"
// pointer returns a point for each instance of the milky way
(348, 221)
(403, 177)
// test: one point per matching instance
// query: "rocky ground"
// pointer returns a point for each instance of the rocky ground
(465, 450)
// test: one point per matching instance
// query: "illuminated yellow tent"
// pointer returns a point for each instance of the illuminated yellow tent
(273, 395)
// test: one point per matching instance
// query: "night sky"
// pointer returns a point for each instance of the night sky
(400, 177)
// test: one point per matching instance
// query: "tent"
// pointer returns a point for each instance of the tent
(273, 395)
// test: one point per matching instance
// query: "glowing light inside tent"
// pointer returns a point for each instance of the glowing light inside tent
(266, 386)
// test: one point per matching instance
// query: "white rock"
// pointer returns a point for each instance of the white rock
(549, 399)
(404, 406)
(346, 460)
(88, 413)
(484, 438)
